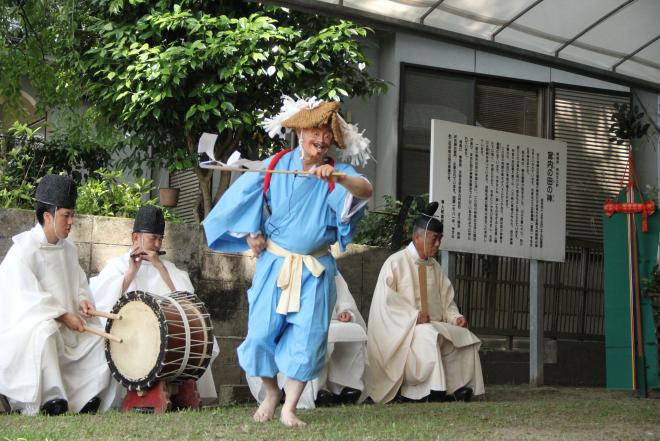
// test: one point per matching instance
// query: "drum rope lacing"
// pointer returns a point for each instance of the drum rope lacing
(186, 327)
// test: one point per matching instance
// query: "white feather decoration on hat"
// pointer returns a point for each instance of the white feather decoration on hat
(357, 149)
(289, 108)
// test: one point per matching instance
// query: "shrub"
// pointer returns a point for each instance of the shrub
(107, 194)
(17, 184)
(377, 228)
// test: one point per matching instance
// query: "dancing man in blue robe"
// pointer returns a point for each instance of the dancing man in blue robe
(290, 223)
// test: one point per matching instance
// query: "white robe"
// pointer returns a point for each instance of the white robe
(417, 358)
(41, 358)
(106, 287)
(345, 357)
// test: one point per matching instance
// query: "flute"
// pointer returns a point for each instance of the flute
(136, 255)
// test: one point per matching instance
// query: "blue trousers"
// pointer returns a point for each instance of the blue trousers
(295, 343)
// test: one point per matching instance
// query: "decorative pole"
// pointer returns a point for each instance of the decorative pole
(626, 126)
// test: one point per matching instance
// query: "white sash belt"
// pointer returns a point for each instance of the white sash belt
(290, 276)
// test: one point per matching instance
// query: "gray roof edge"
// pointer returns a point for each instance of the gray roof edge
(392, 24)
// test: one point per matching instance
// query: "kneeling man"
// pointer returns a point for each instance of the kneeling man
(418, 343)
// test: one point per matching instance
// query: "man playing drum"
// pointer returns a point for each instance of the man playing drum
(293, 290)
(47, 362)
(144, 268)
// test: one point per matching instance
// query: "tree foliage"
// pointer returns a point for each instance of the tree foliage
(165, 72)
(627, 124)
(37, 40)
(159, 73)
(25, 159)
(379, 226)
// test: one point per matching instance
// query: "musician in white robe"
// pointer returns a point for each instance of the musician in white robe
(144, 268)
(419, 344)
(48, 363)
(342, 374)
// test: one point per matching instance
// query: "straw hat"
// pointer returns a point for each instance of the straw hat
(311, 112)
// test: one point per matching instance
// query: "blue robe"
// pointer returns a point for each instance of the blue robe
(305, 217)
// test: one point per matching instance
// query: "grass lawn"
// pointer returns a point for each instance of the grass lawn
(507, 413)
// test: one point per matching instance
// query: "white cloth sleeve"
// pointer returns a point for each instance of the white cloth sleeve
(242, 235)
(352, 205)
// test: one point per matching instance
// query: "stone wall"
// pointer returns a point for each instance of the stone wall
(101, 238)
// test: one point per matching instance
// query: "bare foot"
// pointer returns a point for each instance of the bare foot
(290, 419)
(266, 409)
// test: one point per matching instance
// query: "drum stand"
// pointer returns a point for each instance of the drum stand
(162, 397)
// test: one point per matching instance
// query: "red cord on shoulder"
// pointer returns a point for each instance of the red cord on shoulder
(276, 159)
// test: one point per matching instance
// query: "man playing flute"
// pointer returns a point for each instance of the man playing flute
(144, 268)
(289, 221)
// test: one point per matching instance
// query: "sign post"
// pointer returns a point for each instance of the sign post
(502, 194)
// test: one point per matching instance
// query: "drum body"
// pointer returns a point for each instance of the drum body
(164, 338)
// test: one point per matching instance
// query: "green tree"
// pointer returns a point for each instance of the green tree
(37, 46)
(38, 42)
(165, 72)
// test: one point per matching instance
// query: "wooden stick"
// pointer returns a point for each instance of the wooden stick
(423, 294)
(107, 315)
(279, 172)
(102, 334)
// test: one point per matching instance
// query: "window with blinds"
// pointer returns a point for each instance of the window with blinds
(188, 184)
(428, 94)
(512, 109)
(595, 165)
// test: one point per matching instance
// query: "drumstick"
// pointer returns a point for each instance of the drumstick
(107, 315)
(246, 170)
(102, 334)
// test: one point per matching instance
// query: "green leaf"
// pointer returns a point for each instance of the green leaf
(191, 112)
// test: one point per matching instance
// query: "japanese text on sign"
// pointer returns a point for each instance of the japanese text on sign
(500, 193)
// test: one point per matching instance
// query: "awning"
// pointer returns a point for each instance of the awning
(617, 40)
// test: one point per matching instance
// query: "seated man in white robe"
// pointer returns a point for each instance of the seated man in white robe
(340, 381)
(419, 345)
(143, 268)
(48, 362)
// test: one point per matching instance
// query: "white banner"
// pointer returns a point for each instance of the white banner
(500, 193)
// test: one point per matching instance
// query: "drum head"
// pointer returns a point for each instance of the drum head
(136, 360)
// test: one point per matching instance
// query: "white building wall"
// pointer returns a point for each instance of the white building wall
(380, 115)
(647, 149)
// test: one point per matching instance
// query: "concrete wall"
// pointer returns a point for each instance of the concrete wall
(647, 149)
